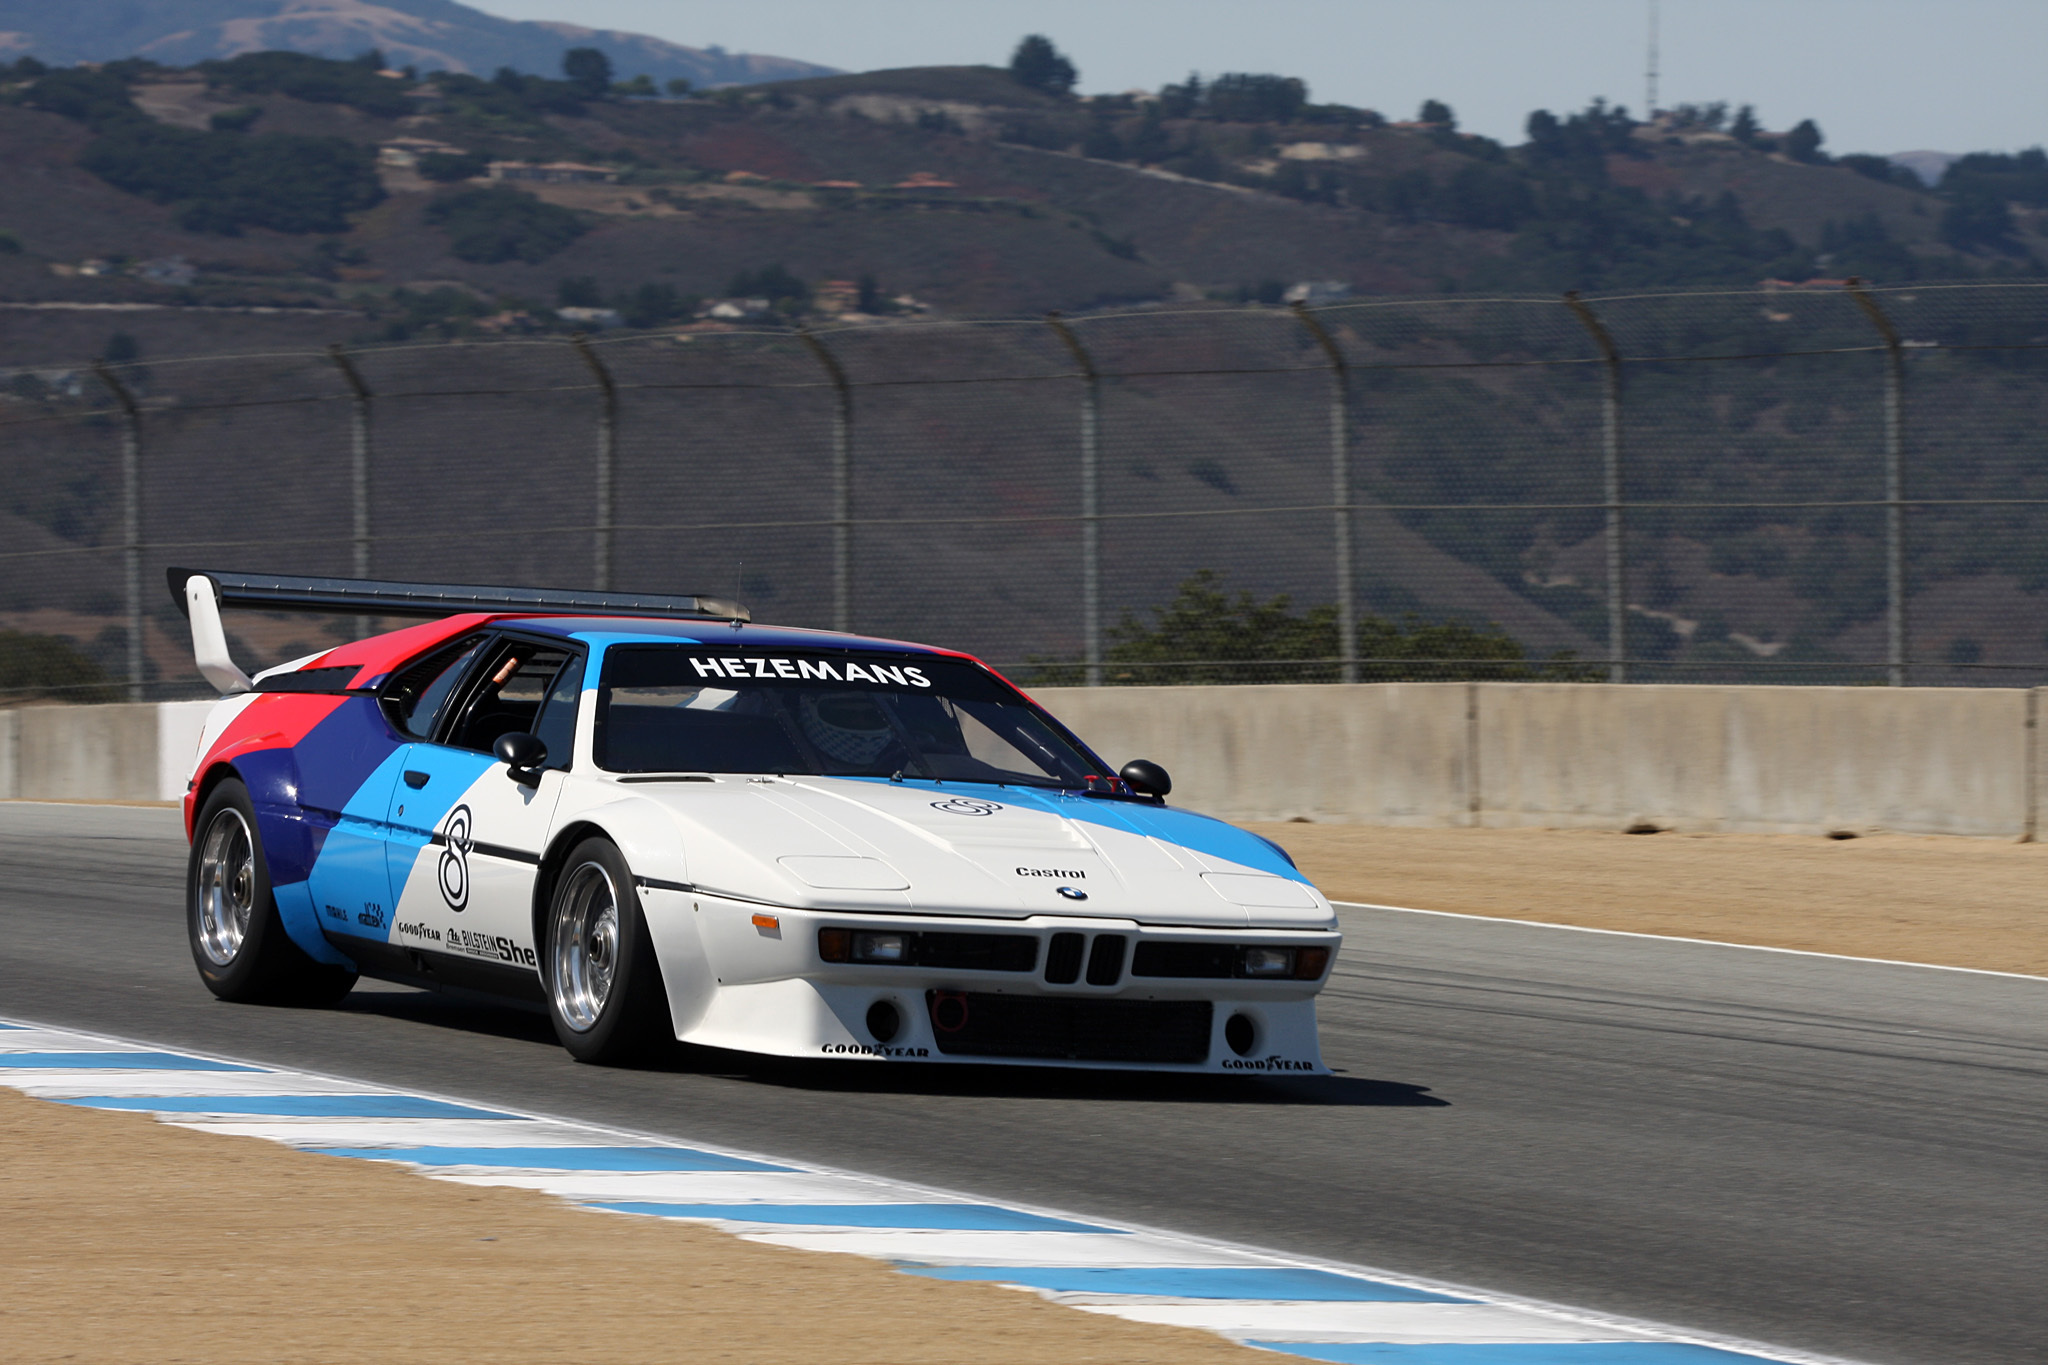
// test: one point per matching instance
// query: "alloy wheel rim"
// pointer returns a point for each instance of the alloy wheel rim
(585, 946)
(227, 887)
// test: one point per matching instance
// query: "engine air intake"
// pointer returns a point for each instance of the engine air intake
(1070, 1028)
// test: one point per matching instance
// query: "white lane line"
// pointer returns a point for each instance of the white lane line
(672, 1187)
(408, 1132)
(1403, 1323)
(1703, 942)
(939, 1232)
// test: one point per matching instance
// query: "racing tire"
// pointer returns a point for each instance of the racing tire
(237, 937)
(604, 989)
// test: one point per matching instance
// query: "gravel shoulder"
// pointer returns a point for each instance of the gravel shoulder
(1948, 901)
(127, 1239)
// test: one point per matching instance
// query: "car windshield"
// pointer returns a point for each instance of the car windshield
(685, 708)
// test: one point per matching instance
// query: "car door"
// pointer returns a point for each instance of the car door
(465, 836)
(350, 879)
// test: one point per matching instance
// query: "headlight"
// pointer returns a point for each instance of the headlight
(852, 945)
(1269, 962)
(878, 948)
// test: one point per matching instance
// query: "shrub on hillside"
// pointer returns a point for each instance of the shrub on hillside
(49, 667)
(495, 223)
(317, 80)
(223, 182)
(449, 167)
(1207, 635)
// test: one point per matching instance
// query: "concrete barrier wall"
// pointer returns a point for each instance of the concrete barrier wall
(1803, 760)
(1767, 759)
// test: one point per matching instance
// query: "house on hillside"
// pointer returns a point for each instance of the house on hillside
(404, 153)
(553, 172)
(1314, 293)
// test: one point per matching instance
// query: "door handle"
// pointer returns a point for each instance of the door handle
(416, 780)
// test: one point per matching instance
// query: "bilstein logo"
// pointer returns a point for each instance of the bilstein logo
(967, 805)
(455, 859)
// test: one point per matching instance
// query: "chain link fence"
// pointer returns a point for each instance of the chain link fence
(1827, 483)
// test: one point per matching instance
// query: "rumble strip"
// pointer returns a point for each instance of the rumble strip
(1297, 1307)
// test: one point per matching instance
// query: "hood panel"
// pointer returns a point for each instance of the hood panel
(983, 850)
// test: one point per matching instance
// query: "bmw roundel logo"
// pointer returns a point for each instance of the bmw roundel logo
(1073, 893)
(966, 805)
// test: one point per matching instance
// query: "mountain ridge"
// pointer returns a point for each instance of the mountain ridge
(429, 34)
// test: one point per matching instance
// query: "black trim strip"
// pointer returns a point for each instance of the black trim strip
(510, 855)
(667, 777)
(657, 884)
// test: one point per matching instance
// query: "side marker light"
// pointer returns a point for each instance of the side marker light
(767, 922)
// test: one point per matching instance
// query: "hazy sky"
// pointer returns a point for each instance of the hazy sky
(1878, 75)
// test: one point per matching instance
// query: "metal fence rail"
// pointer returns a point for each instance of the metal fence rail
(1840, 484)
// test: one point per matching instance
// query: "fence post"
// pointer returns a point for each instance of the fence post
(842, 481)
(1610, 459)
(131, 521)
(358, 466)
(1894, 483)
(1340, 491)
(607, 455)
(1091, 502)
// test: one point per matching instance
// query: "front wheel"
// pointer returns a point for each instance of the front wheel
(238, 939)
(604, 987)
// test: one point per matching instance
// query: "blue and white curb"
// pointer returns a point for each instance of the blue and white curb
(1299, 1307)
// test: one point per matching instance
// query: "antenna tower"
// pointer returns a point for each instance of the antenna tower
(1650, 75)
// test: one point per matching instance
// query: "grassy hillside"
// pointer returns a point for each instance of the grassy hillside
(246, 206)
(958, 186)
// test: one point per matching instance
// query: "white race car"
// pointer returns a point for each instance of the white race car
(654, 819)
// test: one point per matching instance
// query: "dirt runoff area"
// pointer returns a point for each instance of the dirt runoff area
(127, 1240)
(1951, 901)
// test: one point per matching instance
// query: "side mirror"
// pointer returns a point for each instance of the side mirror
(1147, 778)
(523, 754)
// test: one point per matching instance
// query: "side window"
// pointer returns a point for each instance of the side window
(557, 724)
(508, 694)
(416, 698)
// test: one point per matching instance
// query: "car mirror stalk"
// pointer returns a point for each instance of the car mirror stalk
(522, 754)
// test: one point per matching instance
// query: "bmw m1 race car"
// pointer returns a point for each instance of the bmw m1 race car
(653, 818)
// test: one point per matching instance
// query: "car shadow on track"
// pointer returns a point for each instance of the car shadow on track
(1004, 1082)
(493, 1018)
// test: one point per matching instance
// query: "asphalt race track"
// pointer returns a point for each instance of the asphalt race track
(1829, 1156)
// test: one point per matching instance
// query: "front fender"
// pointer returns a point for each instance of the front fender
(651, 840)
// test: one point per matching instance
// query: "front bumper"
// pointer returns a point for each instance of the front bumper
(757, 982)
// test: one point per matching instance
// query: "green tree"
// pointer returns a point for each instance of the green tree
(496, 223)
(1745, 128)
(1038, 65)
(589, 70)
(1438, 114)
(640, 85)
(1803, 142)
(1241, 97)
(679, 87)
(448, 167)
(1978, 218)
(1209, 635)
(773, 283)
(52, 667)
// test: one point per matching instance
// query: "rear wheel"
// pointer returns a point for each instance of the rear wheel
(238, 940)
(604, 987)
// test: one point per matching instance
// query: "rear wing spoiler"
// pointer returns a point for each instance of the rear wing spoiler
(202, 593)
